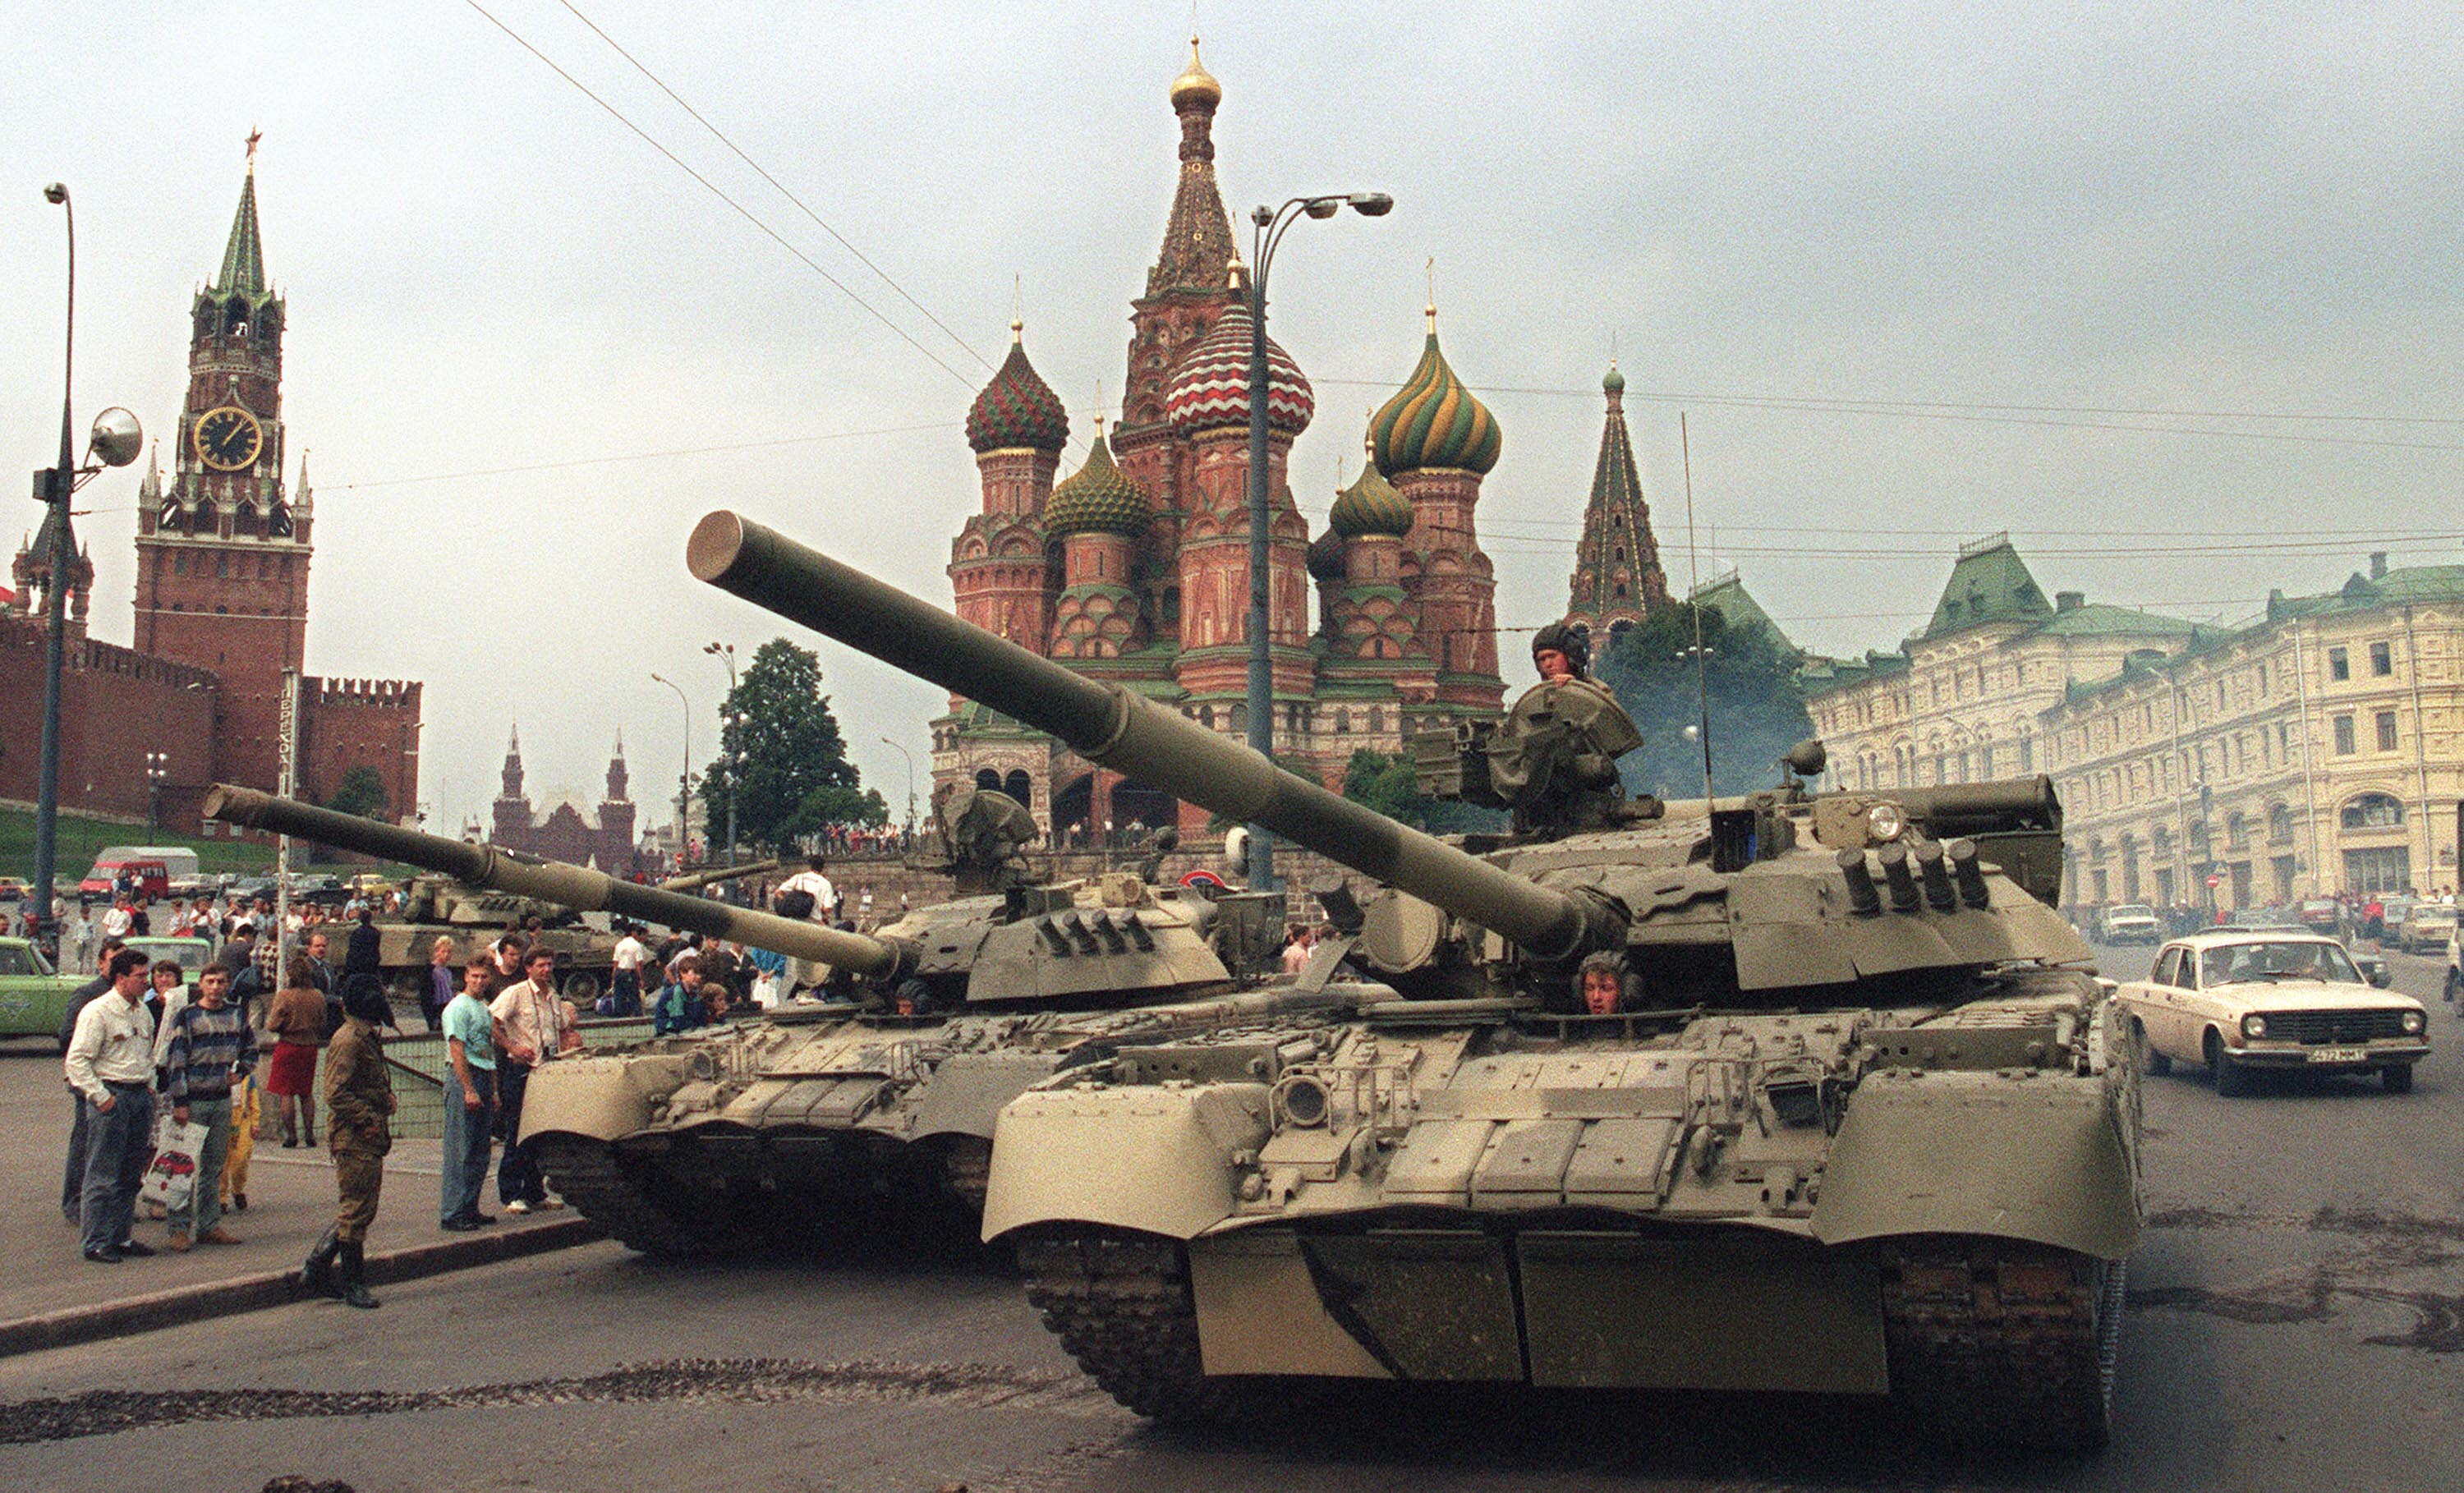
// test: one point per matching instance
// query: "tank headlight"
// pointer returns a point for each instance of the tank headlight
(1884, 822)
(2253, 1028)
(2414, 1023)
(1302, 1101)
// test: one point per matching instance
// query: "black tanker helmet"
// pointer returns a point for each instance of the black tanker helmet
(1571, 639)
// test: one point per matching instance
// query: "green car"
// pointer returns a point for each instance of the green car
(32, 999)
(191, 955)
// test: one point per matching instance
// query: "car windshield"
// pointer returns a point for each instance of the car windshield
(188, 953)
(2132, 911)
(2244, 963)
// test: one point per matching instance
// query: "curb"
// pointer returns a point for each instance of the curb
(133, 1314)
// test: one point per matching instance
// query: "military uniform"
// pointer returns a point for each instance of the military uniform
(359, 1100)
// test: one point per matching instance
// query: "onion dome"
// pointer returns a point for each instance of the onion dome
(1615, 381)
(1432, 421)
(1196, 86)
(1325, 561)
(1017, 410)
(1210, 389)
(1099, 499)
(1371, 505)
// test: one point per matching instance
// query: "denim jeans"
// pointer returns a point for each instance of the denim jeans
(117, 1145)
(516, 1176)
(72, 1175)
(204, 1213)
(466, 1146)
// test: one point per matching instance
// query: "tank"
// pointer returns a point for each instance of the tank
(1857, 1118)
(437, 906)
(870, 1114)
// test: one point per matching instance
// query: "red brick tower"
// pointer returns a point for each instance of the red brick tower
(998, 570)
(222, 558)
(1435, 442)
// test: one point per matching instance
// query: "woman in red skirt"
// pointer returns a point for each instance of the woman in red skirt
(297, 1022)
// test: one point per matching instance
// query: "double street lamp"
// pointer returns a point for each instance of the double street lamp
(115, 442)
(684, 780)
(1272, 223)
(158, 767)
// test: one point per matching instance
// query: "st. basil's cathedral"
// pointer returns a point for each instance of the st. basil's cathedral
(1134, 568)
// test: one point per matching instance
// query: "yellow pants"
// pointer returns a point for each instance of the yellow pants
(246, 1113)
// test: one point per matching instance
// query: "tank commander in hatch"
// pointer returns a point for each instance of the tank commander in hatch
(1553, 757)
(1601, 985)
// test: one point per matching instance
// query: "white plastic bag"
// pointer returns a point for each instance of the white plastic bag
(766, 991)
(173, 1175)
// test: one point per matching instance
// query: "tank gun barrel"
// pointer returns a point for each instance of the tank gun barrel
(712, 876)
(1131, 734)
(554, 880)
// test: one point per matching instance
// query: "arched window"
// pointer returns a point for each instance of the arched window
(1377, 720)
(1017, 785)
(988, 779)
(2371, 811)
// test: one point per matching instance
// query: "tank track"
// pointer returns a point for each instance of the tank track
(1997, 1345)
(1994, 1345)
(589, 1174)
(1121, 1304)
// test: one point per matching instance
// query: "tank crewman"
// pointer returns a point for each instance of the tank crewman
(1601, 984)
(359, 1107)
(1554, 756)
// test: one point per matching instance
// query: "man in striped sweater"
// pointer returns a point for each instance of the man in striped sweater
(210, 1050)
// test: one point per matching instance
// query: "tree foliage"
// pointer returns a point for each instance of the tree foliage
(1389, 786)
(782, 758)
(1757, 707)
(361, 793)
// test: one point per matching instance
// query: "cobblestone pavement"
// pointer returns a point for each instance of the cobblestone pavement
(2295, 1325)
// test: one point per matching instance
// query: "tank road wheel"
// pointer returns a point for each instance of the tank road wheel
(1121, 1304)
(591, 1176)
(2158, 1065)
(1999, 1344)
(2397, 1077)
(581, 988)
(2232, 1082)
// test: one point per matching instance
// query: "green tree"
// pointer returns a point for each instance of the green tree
(1389, 786)
(780, 755)
(362, 792)
(1757, 707)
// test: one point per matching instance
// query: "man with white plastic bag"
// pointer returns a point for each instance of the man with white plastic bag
(210, 1048)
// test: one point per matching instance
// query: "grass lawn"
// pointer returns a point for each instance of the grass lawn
(80, 837)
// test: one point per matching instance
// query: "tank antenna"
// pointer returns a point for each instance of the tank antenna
(1694, 603)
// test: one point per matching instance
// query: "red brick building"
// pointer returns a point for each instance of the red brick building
(565, 834)
(1137, 567)
(223, 554)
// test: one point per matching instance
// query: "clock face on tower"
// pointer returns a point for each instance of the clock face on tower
(228, 438)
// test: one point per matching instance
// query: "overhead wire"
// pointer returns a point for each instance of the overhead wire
(779, 186)
(716, 191)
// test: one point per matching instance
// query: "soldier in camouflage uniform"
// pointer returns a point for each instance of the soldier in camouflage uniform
(359, 1103)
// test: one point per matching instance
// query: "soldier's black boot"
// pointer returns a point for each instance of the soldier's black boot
(354, 1276)
(317, 1276)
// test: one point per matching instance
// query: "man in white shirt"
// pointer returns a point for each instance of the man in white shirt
(625, 988)
(111, 1065)
(805, 973)
(530, 1027)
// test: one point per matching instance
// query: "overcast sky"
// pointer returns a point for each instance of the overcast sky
(2157, 217)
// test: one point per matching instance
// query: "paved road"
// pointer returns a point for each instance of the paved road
(2299, 1323)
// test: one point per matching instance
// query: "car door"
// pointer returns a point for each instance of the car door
(2164, 1002)
(2147, 999)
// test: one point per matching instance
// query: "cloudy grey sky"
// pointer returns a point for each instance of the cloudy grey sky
(1817, 229)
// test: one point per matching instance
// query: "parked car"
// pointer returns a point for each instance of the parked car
(146, 877)
(323, 890)
(2427, 928)
(189, 954)
(2132, 923)
(2321, 915)
(2234, 1001)
(12, 888)
(34, 997)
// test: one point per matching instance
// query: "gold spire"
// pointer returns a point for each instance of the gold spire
(1195, 85)
(1016, 331)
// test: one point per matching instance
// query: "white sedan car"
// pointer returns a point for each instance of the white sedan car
(2234, 1000)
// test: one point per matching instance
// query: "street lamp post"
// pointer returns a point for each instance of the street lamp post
(114, 443)
(1272, 223)
(910, 780)
(725, 653)
(158, 767)
(684, 780)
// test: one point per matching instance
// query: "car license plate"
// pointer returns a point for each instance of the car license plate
(2340, 1055)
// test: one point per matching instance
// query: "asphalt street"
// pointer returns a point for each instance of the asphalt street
(2298, 1321)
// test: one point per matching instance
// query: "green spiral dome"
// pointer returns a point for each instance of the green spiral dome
(1371, 505)
(1098, 498)
(1433, 421)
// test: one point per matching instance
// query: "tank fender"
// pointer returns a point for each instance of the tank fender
(601, 1098)
(965, 1094)
(2039, 1157)
(1157, 1160)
